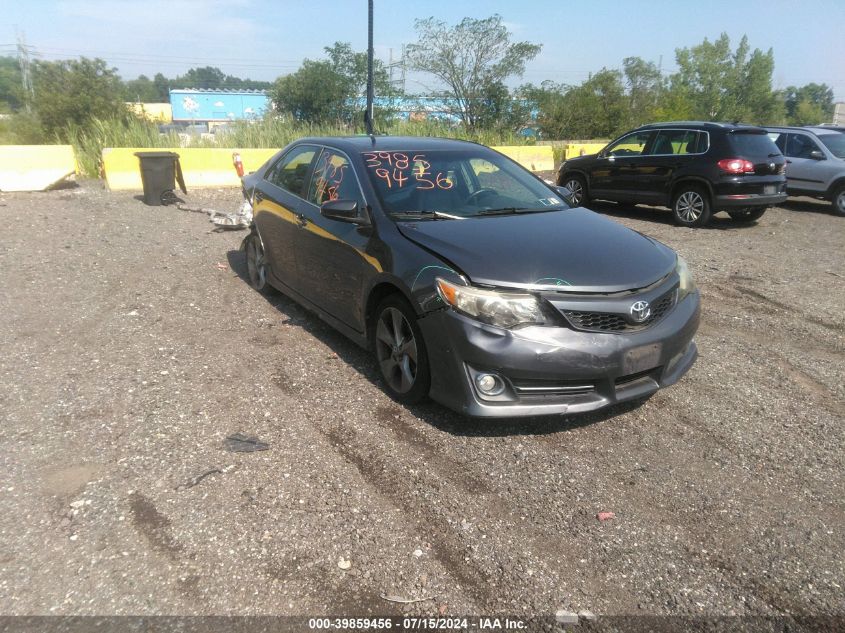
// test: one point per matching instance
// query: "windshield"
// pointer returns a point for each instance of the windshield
(455, 184)
(835, 143)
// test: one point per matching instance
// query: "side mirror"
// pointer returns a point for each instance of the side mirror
(816, 155)
(343, 211)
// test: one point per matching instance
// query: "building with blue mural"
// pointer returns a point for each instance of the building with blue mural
(203, 106)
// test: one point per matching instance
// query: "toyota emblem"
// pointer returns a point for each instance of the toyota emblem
(640, 311)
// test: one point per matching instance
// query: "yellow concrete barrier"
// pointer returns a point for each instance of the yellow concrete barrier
(34, 167)
(201, 167)
(212, 167)
(572, 150)
(533, 157)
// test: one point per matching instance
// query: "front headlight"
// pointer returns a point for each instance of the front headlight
(687, 284)
(504, 309)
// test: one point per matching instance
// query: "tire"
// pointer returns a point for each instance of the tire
(751, 214)
(691, 206)
(402, 361)
(256, 266)
(838, 201)
(578, 186)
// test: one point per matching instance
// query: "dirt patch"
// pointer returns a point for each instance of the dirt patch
(69, 480)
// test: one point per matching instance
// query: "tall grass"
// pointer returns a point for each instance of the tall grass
(89, 140)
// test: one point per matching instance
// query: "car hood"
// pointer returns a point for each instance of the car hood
(575, 250)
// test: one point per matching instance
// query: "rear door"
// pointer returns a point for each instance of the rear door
(670, 155)
(278, 203)
(332, 256)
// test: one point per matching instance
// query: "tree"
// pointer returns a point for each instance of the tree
(76, 91)
(11, 87)
(645, 85)
(162, 85)
(141, 90)
(720, 85)
(469, 58)
(207, 77)
(329, 90)
(210, 78)
(809, 104)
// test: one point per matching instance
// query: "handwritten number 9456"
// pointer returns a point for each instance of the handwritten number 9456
(396, 169)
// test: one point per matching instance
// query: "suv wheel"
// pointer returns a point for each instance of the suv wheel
(578, 187)
(747, 215)
(691, 206)
(839, 201)
(400, 351)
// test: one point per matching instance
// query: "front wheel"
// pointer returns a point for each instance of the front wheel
(400, 351)
(838, 201)
(747, 215)
(691, 207)
(578, 187)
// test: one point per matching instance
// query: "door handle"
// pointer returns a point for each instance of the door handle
(789, 162)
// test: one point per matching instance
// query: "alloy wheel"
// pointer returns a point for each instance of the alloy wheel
(577, 189)
(689, 206)
(396, 350)
(840, 202)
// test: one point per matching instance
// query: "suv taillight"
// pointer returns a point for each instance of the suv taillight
(736, 166)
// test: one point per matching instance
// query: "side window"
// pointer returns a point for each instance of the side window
(631, 145)
(333, 179)
(292, 169)
(800, 146)
(779, 139)
(675, 142)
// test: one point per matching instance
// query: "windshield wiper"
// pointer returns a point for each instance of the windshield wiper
(434, 215)
(510, 210)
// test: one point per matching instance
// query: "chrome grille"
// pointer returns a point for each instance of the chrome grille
(542, 388)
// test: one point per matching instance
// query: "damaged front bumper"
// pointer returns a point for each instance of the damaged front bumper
(555, 370)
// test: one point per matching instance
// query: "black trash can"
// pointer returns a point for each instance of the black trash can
(159, 172)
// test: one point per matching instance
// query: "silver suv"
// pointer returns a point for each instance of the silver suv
(815, 162)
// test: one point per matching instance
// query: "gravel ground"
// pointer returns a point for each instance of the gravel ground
(132, 347)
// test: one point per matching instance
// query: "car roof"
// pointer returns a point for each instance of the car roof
(820, 131)
(363, 143)
(707, 125)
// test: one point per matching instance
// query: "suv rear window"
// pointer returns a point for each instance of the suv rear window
(750, 144)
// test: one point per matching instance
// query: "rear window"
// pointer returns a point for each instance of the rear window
(750, 145)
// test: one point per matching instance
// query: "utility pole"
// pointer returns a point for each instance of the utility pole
(368, 115)
(26, 76)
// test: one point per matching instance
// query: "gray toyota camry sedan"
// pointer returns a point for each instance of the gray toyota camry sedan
(471, 280)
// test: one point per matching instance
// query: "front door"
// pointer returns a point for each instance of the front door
(802, 171)
(331, 255)
(612, 175)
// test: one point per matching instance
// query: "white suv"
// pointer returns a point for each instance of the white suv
(815, 162)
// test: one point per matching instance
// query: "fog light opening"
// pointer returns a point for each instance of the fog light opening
(489, 384)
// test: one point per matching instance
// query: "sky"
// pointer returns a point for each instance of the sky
(263, 39)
